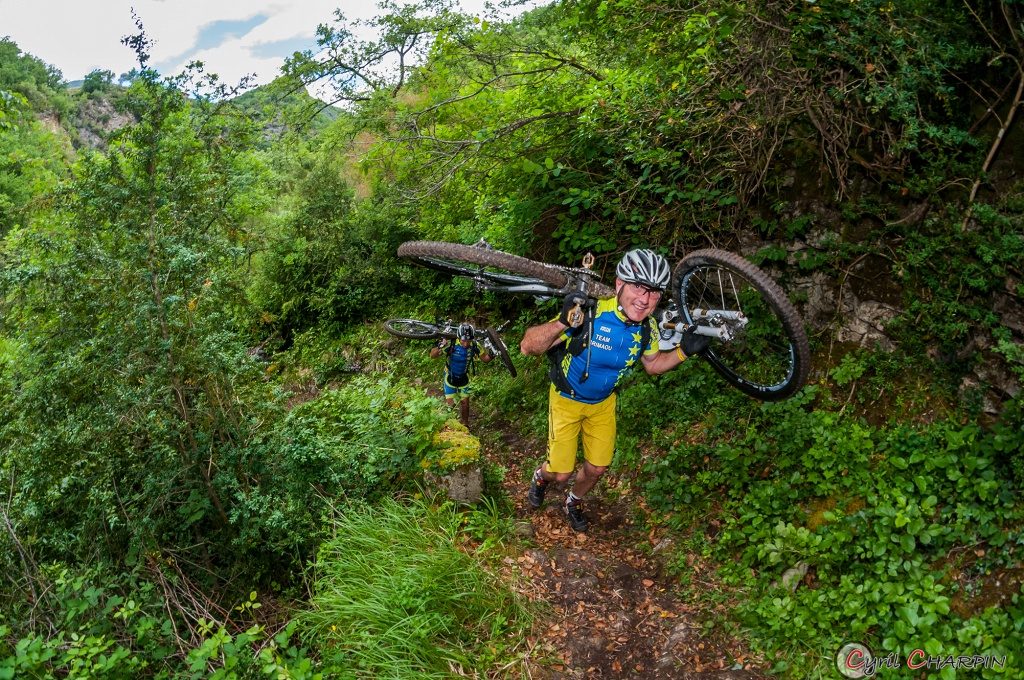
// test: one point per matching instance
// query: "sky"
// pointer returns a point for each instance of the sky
(232, 37)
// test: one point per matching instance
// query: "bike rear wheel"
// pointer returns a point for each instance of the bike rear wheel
(502, 350)
(494, 269)
(769, 358)
(411, 328)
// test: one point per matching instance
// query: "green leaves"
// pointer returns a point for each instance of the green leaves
(883, 516)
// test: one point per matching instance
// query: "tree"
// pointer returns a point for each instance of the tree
(40, 83)
(97, 80)
(126, 421)
(31, 160)
(355, 70)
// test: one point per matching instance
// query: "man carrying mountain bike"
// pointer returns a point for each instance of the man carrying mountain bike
(590, 355)
(460, 354)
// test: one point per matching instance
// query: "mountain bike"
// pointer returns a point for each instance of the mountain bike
(759, 347)
(488, 338)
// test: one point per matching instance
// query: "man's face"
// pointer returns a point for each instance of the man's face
(637, 301)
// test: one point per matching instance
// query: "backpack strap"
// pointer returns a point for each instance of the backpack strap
(576, 344)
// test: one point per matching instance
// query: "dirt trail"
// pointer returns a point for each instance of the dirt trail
(613, 613)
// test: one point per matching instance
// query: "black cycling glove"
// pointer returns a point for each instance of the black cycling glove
(574, 305)
(693, 344)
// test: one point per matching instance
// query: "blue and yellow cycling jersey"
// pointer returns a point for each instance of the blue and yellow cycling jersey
(614, 351)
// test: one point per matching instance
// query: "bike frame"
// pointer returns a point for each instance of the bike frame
(449, 331)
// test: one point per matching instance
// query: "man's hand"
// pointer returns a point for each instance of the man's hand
(573, 310)
(693, 344)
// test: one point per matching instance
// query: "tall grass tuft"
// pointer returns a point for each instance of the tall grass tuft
(394, 597)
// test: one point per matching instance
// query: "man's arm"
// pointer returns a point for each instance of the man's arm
(690, 344)
(539, 339)
(662, 362)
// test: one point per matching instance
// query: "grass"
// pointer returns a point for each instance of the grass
(395, 597)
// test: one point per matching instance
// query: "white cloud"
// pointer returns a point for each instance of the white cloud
(235, 57)
(78, 36)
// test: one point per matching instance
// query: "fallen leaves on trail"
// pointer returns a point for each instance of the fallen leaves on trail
(613, 613)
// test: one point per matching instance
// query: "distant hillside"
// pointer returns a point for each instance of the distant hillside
(95, 115)
(39, 84)
(279, 106)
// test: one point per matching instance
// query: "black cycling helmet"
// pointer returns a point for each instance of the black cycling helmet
(645, 267)
(465, 331)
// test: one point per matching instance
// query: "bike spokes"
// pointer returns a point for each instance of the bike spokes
(757, 349)
(760, 344)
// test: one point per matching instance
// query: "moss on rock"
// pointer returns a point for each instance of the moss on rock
(454, 447)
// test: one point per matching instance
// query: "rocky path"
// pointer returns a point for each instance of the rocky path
(612, 612)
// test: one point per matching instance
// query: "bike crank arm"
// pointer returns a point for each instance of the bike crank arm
(721, 324)
(724, 332)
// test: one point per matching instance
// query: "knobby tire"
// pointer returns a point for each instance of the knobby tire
(412, 328)
(473, 262)
(500, 347)
(779, 311)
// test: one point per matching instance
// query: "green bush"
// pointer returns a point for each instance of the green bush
(950, 276)
(876, 516)
(359, 442)
(332, 262)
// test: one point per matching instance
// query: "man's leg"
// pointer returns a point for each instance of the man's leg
(450, 391)
(587, 478)
(564, 418)
(598, 448)
(456, 389)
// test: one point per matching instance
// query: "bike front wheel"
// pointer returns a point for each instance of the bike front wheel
(411, 328)
(502, 350)
(768, 356)
(495, 269)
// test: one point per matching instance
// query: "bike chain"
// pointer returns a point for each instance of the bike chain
(575, 270)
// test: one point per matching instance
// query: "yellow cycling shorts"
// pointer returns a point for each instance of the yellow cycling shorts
(568, 418)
